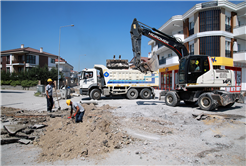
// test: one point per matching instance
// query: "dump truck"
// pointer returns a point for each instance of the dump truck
(116, 78)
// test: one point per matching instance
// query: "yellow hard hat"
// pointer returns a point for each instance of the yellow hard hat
(49, 80)
(68, 102)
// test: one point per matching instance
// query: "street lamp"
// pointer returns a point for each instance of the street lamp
(59, 50)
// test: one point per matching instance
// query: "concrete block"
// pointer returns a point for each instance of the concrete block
(24, 141)
(3, 132)
(9, 140)
(89, 102)
(38, 126)
(13, 129)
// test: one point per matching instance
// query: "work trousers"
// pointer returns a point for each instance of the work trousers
(50, 103)
(79, 117)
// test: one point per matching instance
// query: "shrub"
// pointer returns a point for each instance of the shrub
(24, 83)
(7, 82)
(28, 83)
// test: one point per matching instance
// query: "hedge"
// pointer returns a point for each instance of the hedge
(23, 83)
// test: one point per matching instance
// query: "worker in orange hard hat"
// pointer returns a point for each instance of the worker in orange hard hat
(79, 110)
(49, 91)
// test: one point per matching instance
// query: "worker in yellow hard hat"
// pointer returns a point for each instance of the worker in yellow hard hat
(79, 111)
(49, 91)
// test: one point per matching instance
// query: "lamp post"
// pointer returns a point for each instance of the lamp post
(59, 50)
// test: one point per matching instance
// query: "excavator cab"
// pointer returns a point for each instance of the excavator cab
(191, 67)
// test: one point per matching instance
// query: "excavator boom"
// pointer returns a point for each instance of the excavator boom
(137, 30)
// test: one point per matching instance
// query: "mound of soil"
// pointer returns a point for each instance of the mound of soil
(97, 135)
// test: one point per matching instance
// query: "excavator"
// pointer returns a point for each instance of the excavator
(197, 80)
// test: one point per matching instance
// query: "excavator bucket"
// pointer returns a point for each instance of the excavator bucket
(153, 63)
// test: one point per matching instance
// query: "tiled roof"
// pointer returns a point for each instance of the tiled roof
(27, 49)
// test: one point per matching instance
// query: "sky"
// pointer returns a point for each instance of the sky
(101, 28)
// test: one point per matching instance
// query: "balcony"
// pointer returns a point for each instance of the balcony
(240, 56)
(240, 32)
(17, 62)
(228, 53)
(162, 61)
(227, 28)
(191, 31)
(171, 61)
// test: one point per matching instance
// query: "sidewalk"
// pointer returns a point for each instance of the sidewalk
(26, 100)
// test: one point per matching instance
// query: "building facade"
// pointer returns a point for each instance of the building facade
(24, 58)
(217, 29)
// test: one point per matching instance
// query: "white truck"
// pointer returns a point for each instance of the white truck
(109, 82)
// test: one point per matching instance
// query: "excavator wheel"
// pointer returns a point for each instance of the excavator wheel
(206, 102)
(171, 99)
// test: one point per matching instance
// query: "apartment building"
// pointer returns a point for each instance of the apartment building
(64, 67)
(215, 28)
(24, 58)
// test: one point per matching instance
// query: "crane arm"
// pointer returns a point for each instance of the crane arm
(138, 29)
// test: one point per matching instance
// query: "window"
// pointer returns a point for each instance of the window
(31, 59)
(209, 20)
(159, 45)
(228, 24)
(169, 55)
(210, 46)
(191, 47)
(88, 75)
(8, 60)
(228, 49)
(8, 69)
(191, 28)
(52, 61)
(162, 61)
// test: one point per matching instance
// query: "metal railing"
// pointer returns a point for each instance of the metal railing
(162, 61)
(227, 28)
(191, 31)
(17, 61)
(228, 53)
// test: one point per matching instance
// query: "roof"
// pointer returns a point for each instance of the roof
(27, 50)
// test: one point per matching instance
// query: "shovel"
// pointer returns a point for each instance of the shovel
(59, 108)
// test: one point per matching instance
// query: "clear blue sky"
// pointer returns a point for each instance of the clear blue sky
(101, 29)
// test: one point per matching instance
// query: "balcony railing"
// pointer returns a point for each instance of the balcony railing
(227, 28)
(162, 61)
(17, 61)
(228, 53)
(191, 31)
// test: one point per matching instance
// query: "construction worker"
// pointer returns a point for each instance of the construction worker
(49, 97)
(79, 111)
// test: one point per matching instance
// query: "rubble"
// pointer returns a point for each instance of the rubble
(13, 129)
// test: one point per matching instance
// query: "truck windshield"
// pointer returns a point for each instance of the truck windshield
(87, 74)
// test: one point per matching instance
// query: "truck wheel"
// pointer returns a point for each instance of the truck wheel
(205, 102)
(132, 94)
(95, 94)
(171, 99)
(145, 93)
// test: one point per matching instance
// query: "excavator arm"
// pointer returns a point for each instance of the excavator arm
(137, 30)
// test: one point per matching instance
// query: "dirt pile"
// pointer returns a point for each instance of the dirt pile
(97, 135)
